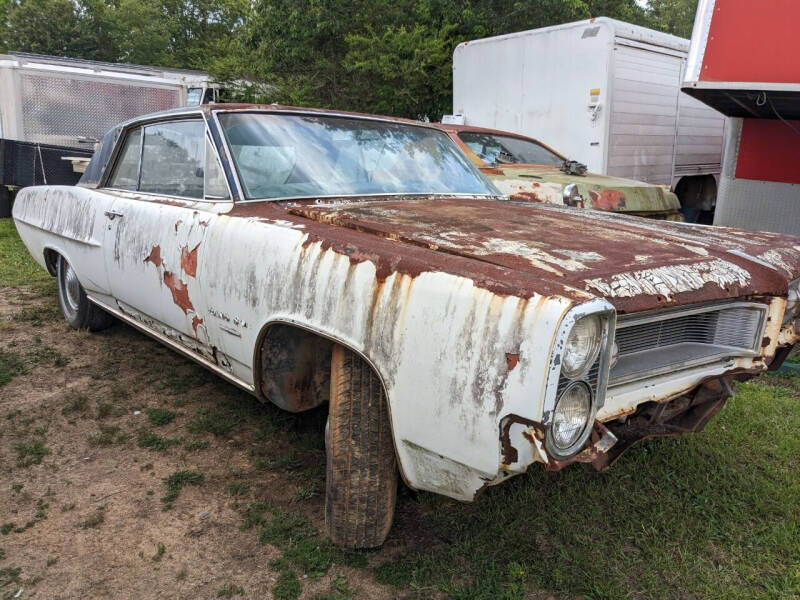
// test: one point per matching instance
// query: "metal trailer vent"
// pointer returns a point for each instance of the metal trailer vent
(672, 340)
(60, 109)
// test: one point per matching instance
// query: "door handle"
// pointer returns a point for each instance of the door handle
(111, 214)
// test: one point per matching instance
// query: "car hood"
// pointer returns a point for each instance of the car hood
(637, 264)
(600, 192)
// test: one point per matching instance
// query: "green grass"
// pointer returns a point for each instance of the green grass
(148, 439)
(160, 416)
(77, 402)
(17, 267)
(176, 482)
(11, 365)
(31, 453)
(196, 445)
(713, 515)
(287, 587)
(108, 435)
(160, 550)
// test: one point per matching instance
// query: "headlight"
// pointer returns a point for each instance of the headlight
(571, 416)
(792, 303)
(583, 344)
(571, 195)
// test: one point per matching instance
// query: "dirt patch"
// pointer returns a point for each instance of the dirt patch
(86, 469)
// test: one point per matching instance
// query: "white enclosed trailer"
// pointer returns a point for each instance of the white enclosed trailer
(53, 110)
(603, 92)
(62, 101)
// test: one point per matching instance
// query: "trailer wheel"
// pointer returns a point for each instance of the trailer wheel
(361, 480)
(78, 310)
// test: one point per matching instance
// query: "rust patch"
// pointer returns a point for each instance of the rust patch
(155, 256)
(607, 199)
(511, 360)
(189, 260)
(178, 224)
(765, 342)
(526, 197)
(196, 322)
(492, 171)
(180, 293)
(398, 236)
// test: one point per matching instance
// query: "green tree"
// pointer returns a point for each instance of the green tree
(42, 26)
(672, 16)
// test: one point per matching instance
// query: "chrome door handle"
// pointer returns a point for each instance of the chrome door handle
(113, 214)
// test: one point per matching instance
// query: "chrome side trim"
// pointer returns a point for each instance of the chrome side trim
(175, 346)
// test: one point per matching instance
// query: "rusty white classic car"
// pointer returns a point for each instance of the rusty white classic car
(457, 336)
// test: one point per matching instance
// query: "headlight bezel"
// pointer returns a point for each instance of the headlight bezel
(792, 304)
(557, 383)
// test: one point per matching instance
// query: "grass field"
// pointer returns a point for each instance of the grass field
(715, 515)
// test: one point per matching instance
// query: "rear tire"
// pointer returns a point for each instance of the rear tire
(77, 309)
(361, 481)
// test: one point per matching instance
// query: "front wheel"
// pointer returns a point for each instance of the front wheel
(361, 480)
(78, 310)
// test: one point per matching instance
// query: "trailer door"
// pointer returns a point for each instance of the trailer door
(644, 111)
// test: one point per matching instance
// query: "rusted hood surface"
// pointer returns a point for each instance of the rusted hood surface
(636, 263)
(601, 192)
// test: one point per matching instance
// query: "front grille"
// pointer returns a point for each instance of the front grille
(669, 340)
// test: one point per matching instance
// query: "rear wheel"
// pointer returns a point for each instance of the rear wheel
(361, 481)
(78, 311)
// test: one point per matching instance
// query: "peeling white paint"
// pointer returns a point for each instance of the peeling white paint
(778, 257)
(669, 280)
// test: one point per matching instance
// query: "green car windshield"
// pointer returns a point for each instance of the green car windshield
(504, 150)
(279, 155)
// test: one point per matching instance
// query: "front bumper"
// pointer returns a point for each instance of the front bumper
(522, 441)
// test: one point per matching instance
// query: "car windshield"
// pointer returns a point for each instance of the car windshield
(290, 156)
(504, 150)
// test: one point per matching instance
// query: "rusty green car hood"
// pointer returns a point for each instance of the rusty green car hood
(539, 183)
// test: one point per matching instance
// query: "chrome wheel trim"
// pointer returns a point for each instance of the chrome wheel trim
(72, 288)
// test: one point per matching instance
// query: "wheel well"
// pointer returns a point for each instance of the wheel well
(293, 367)
(51, 261)
(697, 191)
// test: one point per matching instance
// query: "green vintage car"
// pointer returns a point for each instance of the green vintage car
(526, 169)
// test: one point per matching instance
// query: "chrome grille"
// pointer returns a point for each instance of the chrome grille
(669, 340)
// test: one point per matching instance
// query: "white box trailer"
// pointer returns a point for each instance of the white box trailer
(62, 101)
(53, 110)
(603, 92)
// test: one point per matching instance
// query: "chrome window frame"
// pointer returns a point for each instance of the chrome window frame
(145, 122)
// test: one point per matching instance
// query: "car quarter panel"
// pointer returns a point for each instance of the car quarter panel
(72, 222)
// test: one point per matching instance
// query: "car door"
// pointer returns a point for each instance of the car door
(165, 197)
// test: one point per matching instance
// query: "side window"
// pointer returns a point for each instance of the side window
(214, 177)
(126, 173)
(172, 159)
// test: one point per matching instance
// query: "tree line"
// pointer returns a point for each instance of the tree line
(384, 56)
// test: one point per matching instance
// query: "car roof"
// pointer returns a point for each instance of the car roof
(207, 109)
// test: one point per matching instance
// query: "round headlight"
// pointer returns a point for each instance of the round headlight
(571, 415)
(583, 345)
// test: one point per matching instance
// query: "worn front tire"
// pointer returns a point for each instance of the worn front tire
(77, 309)
(361, 481)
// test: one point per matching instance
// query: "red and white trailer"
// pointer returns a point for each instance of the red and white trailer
(744, 62)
